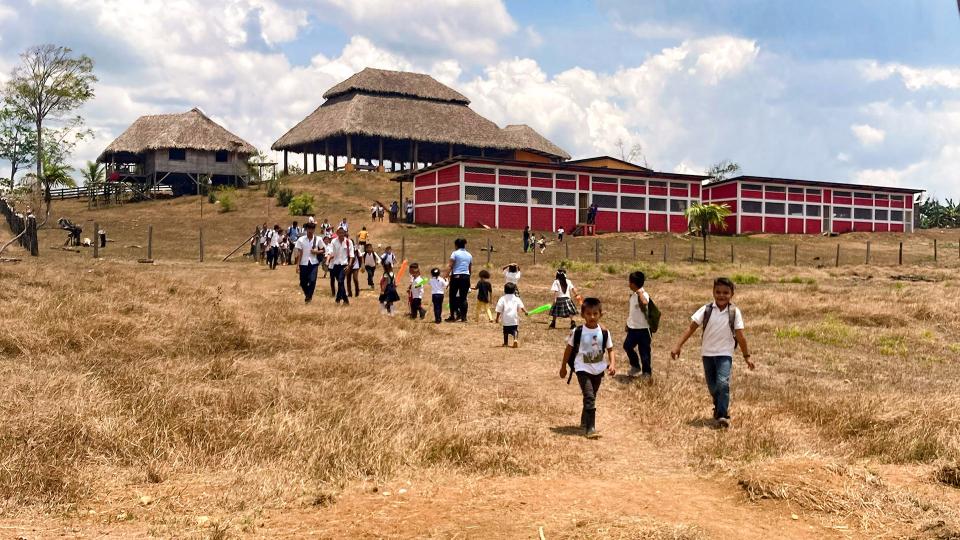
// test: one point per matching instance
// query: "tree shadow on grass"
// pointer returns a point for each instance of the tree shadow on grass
(570, 431)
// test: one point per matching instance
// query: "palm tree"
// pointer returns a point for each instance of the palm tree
(703, 216)
(92, 174)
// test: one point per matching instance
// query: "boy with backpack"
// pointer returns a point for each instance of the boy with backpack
(584, 355)
(642, 321)
(722, 325)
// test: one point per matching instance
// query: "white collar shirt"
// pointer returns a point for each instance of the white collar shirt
(718, 340)
(338, 252)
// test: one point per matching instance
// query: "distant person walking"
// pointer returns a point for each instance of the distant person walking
(460, 268)
(273, 247)
(305, 253)
(409, 210)
(340, 258)
(293, 234)
(370, 261)
(526, 238)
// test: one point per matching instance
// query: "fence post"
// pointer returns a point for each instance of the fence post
(796, 247)
(868, 252)
(900, 254)
(201, 244)
(596, 252)
(534, 250)
(150, 242)
(634, 249)
(665, 252)
(770, 255)
(731, 254)
(838, 255)
(934, 250)
(693, 248)
(566, 248)
(96, 240)
(488, 251)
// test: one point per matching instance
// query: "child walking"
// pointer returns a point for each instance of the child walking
(388, 289)
(484, 292)
(563, 306)
(438, 287)
(511, 274)
(722, 325)
(416, 292)
(639, 334)
(508, 310)
(586, 346)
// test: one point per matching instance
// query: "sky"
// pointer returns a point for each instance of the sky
(863, 91)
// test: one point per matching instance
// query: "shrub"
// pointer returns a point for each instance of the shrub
(212, 196)
(272, 187)
(227, 201)
(301, 205)
(284, 196)
(745, 279)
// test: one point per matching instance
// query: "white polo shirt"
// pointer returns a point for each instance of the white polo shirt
(591, 358)
(416, 286)
(306, 246)
(339, 252)
(438, 285)
(273, 238)
(558, 290)
(718, 340)
(636, 320)
(509, 307)
(511, 277)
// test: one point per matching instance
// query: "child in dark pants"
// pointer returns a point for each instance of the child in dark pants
(638, 329)
(584, 355)
(509, 308)
(416, 292)
(438, 286)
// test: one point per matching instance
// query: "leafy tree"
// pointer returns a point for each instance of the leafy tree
(722, 170)
(49, 83)
(301, 205)
(937, 215)
(92, 173)
(17, 142)
(703, 216)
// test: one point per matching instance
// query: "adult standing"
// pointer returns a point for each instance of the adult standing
(409, 209)
(340, 254)
(394, 210)
(526, 238)
(460, 267)
(305, 254)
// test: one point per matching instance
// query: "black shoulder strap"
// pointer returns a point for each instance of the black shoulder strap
(732, 317)
(707, 311)
(571, 360)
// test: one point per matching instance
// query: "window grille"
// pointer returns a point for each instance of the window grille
(508, 195)
(566, 199)
(657, 183)
(539, 174)
(795, 209)
(862, 213)
(632, 182)
(678, 205)
(896, 215)
(478, 193)
(896, 198)
(677, 185)
(841, 193)
(565, 176)
(775, 208)
(478, 170)
(862, 195)
(658, 205)
(813, 210)
(604, 180)
(539, 196)
(881, 215)
(813, 191)
(605, 201)
(633, 203)
(513, 172)
(881, 196)
(795, 190)
(776, 189)
(841, 212)
(752, 207)
(753, 187)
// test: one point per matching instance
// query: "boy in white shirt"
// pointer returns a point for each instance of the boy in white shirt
(722, 332)
(416, 292)
(560, 231)
(438, 287)
(306, 257)
(511, 274)
(508, 310)
(584, 354)
(638, 328)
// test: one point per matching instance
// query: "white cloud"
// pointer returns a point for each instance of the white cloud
(533, 37)
(723, 56)
(685, 167)
(868, 135)
(913, 78)
(654, 30)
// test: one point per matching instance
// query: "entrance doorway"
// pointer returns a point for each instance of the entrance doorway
(827, 212)
(583, 207)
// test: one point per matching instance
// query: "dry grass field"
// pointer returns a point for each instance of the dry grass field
(180, 399)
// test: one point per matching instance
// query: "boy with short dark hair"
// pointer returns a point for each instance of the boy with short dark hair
(509, 308)
(484, 293)
(416, 292)
(639, 334)
(722, 325)
(584, 355)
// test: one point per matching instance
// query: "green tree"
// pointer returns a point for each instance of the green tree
(92, 173)
(49, 83)
(17, 142)
(722, 170)
(703, 216)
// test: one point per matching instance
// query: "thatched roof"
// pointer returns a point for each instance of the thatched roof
(401, 83)
(406, 106)
(524, 137)
(191, 130)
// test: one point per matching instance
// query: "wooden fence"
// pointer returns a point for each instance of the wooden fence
(18, 224)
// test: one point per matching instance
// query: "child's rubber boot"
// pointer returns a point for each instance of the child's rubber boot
(553, 324)
(583, 419)
(591, 430)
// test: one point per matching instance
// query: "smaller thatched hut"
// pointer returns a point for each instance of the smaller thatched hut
(177, 149)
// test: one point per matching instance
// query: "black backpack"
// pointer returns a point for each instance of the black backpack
(577, 335)
(731, 316)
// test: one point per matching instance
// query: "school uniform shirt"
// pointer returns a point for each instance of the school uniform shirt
(591, 356)
(370, 259)
(718, 340)
(559, 291)
(306, 246)
(339, 252)
(511, 277)
(636, 320)
(416, 290)
(293, 233)
(438, 285)
(273, 238)
(343, 225)
(461, 262)
(509, 307)
(356, 260)
(389, 258)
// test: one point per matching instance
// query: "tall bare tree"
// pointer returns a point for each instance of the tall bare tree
(633, 154)
(721, 170)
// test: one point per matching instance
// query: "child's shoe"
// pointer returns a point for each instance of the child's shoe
(634, 371)
(553, 324)
(723, 423)
(590, 430)
(516, 343)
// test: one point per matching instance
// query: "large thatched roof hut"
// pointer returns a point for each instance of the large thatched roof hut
(404, 117)
(176, 149)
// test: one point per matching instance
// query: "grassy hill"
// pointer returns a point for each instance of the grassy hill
(206, 400)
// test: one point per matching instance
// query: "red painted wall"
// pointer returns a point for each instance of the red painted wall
(896, 227)
(426, 215)
(694, 190)
(584, 182)
(775, 225)
(842, 200)
(512, 181)
(541, 183)
(658, 222)
(605, 188)
(541, 219)
(751, 224)
(724, 191)
(748, 194)
(842, 226)
(475, 214)
(633, 189)
(448, 214)
(676, 192)
(424, 196)
(479, 178)
(814, 198)
(606, 220)
(730, 204)
(632, 221)
(814, 226)
(448, 193)
(512, 217)
(428, 179)
(862, 226)
(863, 202)
(657, 190)
(775, 196)
(795, 226)
(881, 227)
(678, 224)
(449, 175)
(566, 218)
(566, 184)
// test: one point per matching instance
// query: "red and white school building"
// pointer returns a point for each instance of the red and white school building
(787, 206)
(468, 191)
(511, 194)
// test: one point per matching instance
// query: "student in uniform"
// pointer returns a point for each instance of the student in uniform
(638, 328)
(370, 259)
(305, 255)
(339, 259)
(584, 355)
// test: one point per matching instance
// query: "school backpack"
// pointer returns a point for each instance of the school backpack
(653, 316)
(731, 317)
(577, 335)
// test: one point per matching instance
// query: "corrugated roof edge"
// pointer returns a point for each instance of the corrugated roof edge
(562, 166)
(821, 183)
